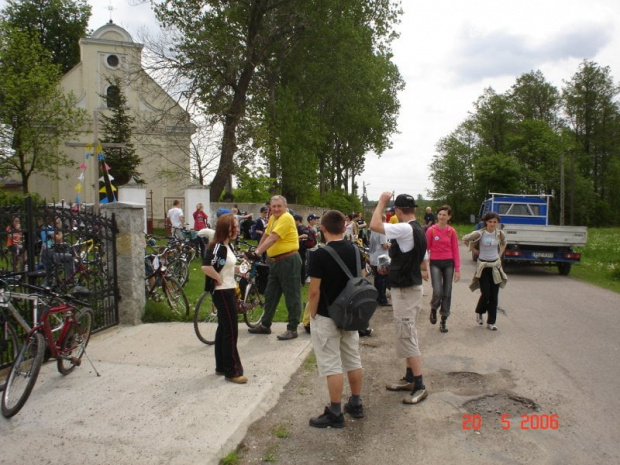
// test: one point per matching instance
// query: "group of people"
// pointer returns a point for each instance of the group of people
(415, 252)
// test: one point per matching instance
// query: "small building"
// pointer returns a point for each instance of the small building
(162, 129)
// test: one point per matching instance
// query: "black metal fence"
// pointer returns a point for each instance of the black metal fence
(62, 246)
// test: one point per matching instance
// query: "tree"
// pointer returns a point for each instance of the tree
(594, 117)
(276, 57)
(117, 128)
(59, 25)
(35, 115)
(452, 172)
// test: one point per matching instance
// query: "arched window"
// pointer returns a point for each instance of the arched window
(113, 97)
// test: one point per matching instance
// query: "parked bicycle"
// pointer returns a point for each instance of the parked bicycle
(64, 328)
(161, 285)
(249, 303)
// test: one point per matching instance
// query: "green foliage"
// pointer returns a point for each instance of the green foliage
(231, 459)
(498, 173)
(35, 115)
(530, 139)
(310, 86)
(13, 198)
(254, 185)
(281, 432)
(339, 200)
(118, 127)
(58, 24)
(600, 259)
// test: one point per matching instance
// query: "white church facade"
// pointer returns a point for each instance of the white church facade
(162, 128)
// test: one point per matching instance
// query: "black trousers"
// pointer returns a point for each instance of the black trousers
(489, 296)
(227, 359)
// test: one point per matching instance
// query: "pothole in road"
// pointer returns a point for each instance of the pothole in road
(501, 403)
(468, 383)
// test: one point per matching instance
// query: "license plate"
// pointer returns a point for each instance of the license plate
(542, 255)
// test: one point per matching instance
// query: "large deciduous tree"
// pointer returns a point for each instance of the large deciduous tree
(314, 76)
(59, 25)
(35, 114)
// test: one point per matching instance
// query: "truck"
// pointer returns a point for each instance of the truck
(531, 239)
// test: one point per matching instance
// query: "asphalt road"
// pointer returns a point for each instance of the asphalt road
(551, 373)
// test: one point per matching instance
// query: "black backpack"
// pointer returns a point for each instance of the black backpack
(356, 303)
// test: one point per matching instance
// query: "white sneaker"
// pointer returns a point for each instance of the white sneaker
(479, 319)
(492, 327)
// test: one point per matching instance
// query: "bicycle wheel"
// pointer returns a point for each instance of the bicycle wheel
(9, 345)
(205, 319)
(23, 375)
(180, 270)
(74, 344)
(175, 295)
(254, 306)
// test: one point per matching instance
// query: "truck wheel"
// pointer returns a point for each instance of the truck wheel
(564, 268)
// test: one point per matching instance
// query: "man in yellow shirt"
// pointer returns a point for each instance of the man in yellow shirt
(281, 242)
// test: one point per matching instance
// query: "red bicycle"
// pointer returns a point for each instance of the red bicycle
(64, 329)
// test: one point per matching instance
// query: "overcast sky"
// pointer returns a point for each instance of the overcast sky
(448, 53)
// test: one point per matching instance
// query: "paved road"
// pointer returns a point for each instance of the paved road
(556, 353)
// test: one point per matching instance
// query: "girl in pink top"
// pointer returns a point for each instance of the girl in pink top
(443, 249)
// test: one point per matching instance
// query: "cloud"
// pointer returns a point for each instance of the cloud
(500, 53)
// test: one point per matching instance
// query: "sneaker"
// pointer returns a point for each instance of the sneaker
(328, 420)
(400, 385)
(356, 411)
(433, 316)
(492, 327)
(259, 329)
(365, 332)
(479, 319)
(387, 303)
(237, 379)
(287, 335)
(416, 397)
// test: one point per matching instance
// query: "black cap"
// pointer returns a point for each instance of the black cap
(405, 201)
(264, 208)
(298, 218)
(312, 216)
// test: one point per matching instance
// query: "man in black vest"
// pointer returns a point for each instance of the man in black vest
(407, 269)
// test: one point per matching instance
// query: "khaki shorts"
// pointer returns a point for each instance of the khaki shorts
(407, 303)
(336, 351)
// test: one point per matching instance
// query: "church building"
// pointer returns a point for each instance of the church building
(161, 134)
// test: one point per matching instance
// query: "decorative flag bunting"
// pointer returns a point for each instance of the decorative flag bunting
(106, 189)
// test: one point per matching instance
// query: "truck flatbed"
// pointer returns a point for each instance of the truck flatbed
(560, 236)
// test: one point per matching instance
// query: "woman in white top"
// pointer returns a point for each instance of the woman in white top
(219, 264)
(489, 276)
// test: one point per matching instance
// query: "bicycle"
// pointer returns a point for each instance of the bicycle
(160, 281)
(249, 304)
(64, 328)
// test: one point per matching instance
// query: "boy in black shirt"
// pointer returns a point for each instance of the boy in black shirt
(336, 350)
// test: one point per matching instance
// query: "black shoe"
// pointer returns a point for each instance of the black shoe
(259, 329)
(433, 316)
(365, 332)
(387, 303)
(287, 335)
(356, 411)
(442, 326)
(328, 420)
